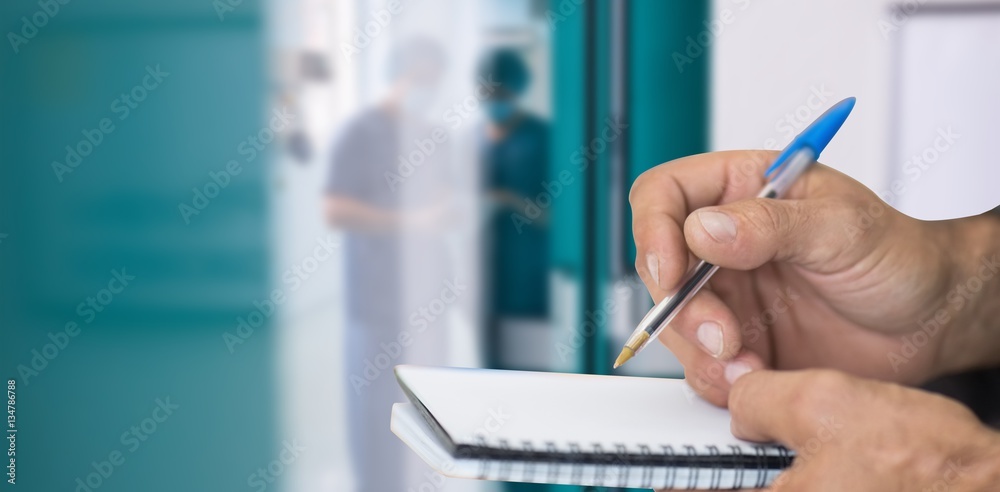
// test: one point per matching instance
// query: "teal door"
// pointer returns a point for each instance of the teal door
(621, 105)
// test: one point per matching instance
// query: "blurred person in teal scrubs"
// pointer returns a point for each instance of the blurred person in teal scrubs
(514, 154)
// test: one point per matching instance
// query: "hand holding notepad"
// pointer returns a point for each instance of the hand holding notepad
(575, 429)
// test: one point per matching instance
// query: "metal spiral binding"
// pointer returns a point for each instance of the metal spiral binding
(761, 476)
(529, 467)
(622, 452)
(737, 462)
(614, 468)
(484, 465)
(692, 478)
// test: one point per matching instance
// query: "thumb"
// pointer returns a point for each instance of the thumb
(817, 234)
(775, 406)
(793, 407)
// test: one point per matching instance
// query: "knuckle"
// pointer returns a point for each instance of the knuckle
(743, 396)
(645, 181)
(699, 383)
(737, 395)
(637, 187)
(766, 216)
(712, 370)
(644, 236)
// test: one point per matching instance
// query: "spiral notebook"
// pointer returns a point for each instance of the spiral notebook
(575, 429)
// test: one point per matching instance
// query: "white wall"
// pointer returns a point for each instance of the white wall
(773, 55)
(769, 60)
(947, 115)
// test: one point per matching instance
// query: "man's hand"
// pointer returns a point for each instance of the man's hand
(829, 277)
(861, 435)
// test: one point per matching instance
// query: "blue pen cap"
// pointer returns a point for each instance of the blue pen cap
(817, 135)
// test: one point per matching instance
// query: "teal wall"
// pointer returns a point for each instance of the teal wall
(161, 336)
(669, 108)
(667, 117)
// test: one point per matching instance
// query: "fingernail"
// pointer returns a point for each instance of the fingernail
(718, 225)
(710, 336)
(735, 370)
(653, 265)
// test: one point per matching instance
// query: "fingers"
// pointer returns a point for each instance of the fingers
(749, 233)
(710, 378)
(662, 198)
(837, 422)
(707, 200)
(816, 226)
(785, 406)
(705, 338)
(794, 479)
(707, 323)
(705, 335)
(662, 256)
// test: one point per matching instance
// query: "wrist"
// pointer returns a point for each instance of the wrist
(972, 300)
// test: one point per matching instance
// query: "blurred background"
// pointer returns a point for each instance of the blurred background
(225, 221)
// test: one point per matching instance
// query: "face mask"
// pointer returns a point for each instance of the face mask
(500, 111)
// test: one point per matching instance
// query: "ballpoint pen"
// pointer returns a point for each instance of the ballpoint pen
(787, 167)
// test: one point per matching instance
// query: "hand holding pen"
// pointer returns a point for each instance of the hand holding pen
(786, 169)
(829, 276)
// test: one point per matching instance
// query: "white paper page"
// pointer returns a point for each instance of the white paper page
(565, 409)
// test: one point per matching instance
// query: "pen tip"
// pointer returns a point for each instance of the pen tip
(626, 354)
